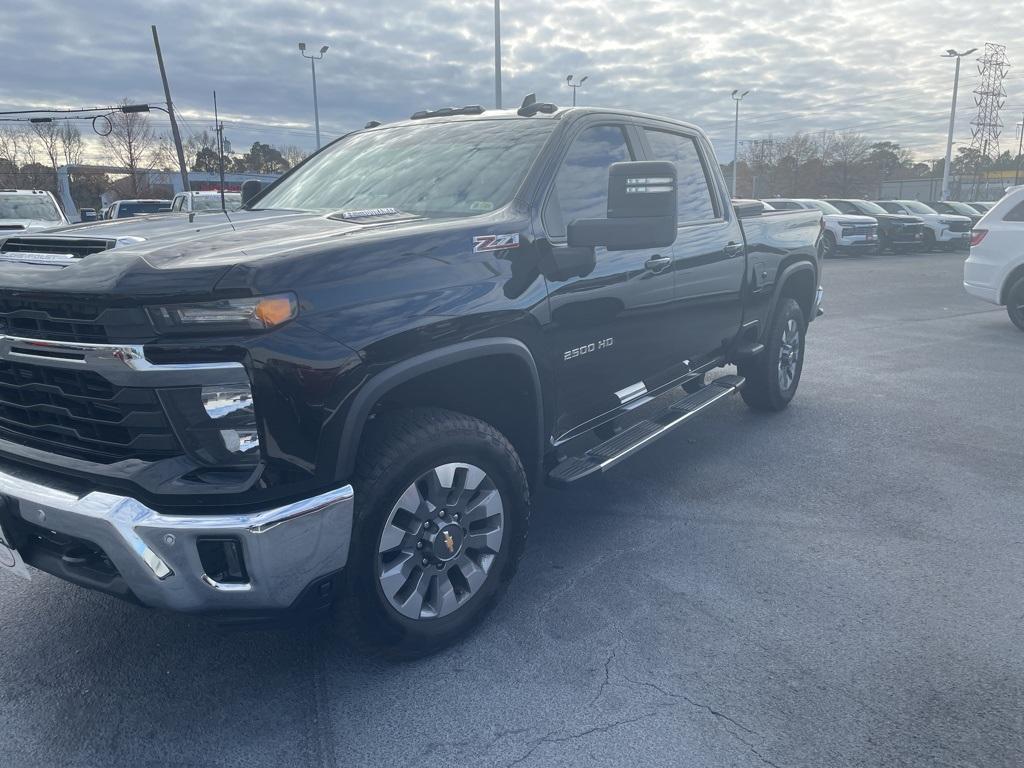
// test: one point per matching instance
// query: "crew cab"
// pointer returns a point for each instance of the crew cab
(193, 202)
(995, 269)
(841, 232)
(894, 231)
(940, 229)
(29, 209)
(345, 394)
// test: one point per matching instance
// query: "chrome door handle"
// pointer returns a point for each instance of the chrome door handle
(658, 263)
(733, 249)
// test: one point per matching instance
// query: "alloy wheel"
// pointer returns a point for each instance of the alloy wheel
(789, 354)
(440, 541)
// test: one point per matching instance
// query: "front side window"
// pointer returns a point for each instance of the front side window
(695, 203)
(37, 207)
(783, 205)
(432, 169)
(581, 186)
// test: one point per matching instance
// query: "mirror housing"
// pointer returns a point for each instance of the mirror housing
(747, 208)
(250, 189)
(642, 199)
(87, 214)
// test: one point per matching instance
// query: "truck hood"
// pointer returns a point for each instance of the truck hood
(124, 256)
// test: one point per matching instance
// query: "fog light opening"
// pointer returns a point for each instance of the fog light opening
(222, 560)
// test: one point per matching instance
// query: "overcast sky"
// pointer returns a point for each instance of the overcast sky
(811, 65)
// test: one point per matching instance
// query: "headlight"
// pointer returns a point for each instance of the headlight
(216, 424)
(225, 315)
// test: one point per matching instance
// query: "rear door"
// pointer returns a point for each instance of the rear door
(708, 255)
(611, 330)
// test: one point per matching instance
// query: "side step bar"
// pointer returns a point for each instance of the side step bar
(609, 453)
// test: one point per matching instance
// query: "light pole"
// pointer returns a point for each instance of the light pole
(951, 54)
(574, 86)
(497, 54)
(316, 107)
(736, 137)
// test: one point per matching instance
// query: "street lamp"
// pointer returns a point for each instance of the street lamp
(574, 86)
(951, 54)
(736, 137)
(316, 107)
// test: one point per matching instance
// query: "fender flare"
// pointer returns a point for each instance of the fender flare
(377, 387)
(787, 273)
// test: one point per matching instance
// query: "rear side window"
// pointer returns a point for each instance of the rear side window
(695, 202)
(581, 186)
(1016, 213)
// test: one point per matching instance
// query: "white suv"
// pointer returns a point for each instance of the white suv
(842, 232)
(22, 209)
(995, 269)
(948, 230)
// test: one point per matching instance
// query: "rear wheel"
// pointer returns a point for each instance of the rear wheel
(1015, 304)
(929, 241)
(442, 507)
(774, 375)
(827, 246)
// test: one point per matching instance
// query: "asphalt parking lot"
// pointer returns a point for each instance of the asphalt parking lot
(841, 584)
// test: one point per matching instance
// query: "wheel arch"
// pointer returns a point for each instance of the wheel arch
(798, 280)
(1011, 279)
(503, 367)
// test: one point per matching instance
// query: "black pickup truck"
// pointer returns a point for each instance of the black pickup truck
(345, 393)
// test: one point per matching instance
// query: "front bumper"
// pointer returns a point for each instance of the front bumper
(285, 549)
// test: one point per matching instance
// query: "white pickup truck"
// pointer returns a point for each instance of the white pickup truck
(29, 209)
(841, 232)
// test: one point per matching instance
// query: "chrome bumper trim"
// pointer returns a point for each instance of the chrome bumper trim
(285, 548)
(122, 364)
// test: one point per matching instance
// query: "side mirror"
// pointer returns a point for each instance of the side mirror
(87, 214)
(641, 209)
(747, 208)
(250, 189)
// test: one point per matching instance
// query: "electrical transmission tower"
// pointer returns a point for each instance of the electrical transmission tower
(989, 97)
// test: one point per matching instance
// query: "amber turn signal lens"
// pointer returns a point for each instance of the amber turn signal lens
(275, 310)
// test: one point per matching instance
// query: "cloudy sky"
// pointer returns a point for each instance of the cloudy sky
(811, 65)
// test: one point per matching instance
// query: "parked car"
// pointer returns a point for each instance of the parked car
(956, 209)
(29, 209)
(983, 207)
(193, 202)
(995, 269)
(346, 394)
(841, 232)
(940, 229)
(125, 209)
(895, 232)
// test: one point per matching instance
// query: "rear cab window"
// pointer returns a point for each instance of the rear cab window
(696, 203)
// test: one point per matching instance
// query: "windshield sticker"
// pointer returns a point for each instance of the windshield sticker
(484, 243)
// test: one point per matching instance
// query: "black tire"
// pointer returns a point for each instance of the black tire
(695, 385)
(399, 449)
(827, 248)
(1015, 303)
(763, 390)
(929, 243)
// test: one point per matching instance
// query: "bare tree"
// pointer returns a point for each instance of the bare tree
(293, 154)
(71, 144)
(131, 141)
(849, 151)
(47, 137)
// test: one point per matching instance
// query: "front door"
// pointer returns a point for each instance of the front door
(608, 330)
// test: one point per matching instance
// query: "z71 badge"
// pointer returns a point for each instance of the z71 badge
(484, 243)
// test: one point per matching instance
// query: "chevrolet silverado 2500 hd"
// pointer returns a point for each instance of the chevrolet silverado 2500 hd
(344, 393)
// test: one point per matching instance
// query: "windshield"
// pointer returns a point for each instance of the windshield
(212, 202)
(39, 207)
(822, 206)
(961, 208)
(432, 169)
(125, 210)
(864, 206)
(915, 207)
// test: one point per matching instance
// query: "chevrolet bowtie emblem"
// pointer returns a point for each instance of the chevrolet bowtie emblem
(449, 542)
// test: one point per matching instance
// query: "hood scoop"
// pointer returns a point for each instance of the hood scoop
(52, 251)
(373, 216)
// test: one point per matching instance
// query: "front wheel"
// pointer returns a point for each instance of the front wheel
(442, 508)
(930, 244)
(774, 375)
(827, 246)
(1015, 304)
